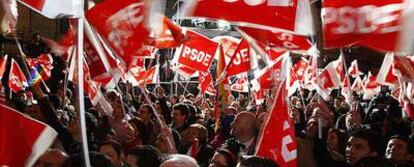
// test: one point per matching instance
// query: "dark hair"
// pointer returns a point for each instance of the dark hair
(255, 161)
(183, 109)
(342, 139)
(97, 160)
(117, 147)
(146, 155)
(150, 109)
(410, 145)
(374, 162)
(230, 158)
(369, 136)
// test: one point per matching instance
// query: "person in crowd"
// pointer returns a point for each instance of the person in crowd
(399, 150)
(244, 128)
(51, 158)
(177, 160)
(195, 144)
(180, 117)
(255, 161)
(223, 158)
(96, 159)
(335, 149)
(361, 144)
(145, 155)
(114, 151)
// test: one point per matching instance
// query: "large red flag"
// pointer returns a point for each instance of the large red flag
(55, 9)
(22, 139)
(17, 79)
(277, 139)
(273, 13)
(366, 23)
(198, 52)
(121, 23)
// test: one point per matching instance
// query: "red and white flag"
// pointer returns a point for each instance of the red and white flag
(366, 23)
(170, 35)
(277, 140)
(185, 71)
(26, 146)
(265, 77)
(327, 80)
(357, 86)
(371, 87)
(297, 75)
(42, 66)
(240, 61)
(17, 79)
(353, 70)
(54, 9)
(292, 15)
(386, 74)
(312, 71)
(197, 52)
(122, 25)
(241, 84)
(229, 45)
(205, 80)
(404, 67)
(279, 40)
(9, 20)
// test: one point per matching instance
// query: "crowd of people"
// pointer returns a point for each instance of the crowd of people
(159, 128)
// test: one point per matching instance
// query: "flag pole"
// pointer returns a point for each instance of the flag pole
(81, 86)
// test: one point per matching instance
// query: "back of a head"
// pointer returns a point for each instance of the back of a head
(179, 160)
(255, 161)
(146, 155)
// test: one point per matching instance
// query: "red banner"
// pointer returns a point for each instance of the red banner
(121, 23)
(365, 23)
(198, 52)
(277, 140)
(17, 79)
(171, 35)
(277, 39)
(204, 79)
(240, 61)
(273, 13)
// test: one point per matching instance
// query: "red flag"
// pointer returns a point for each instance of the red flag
(312, 71)
(22, 148)
(371, 87)
(185, 71)
(354, 70)
(277, 139)
(41, 66)
(277, 39)
(17, 79)
(240, 61)
(386, 73)
(297, 74)
(265, 76)
(327, 80)
(121, 23)
(241, 84)
(279, 14)
(229, 45)
(205, 80)
(197, 53)
(259, 96)
(347, 23)
(404, 67)
(55, 9)
(171, 35)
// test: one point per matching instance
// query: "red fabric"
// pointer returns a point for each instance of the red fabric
(18, 134)
(3, 61)
(404, 66)
(262, 13)
(171, 35)
(198, 52)
(354, 22)
(241, 84)
(37, 4)
(266, 80)
(205, 80)
(17, 79)
(278, 40)
(240, 61)
(277, 140)
(121, 23)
